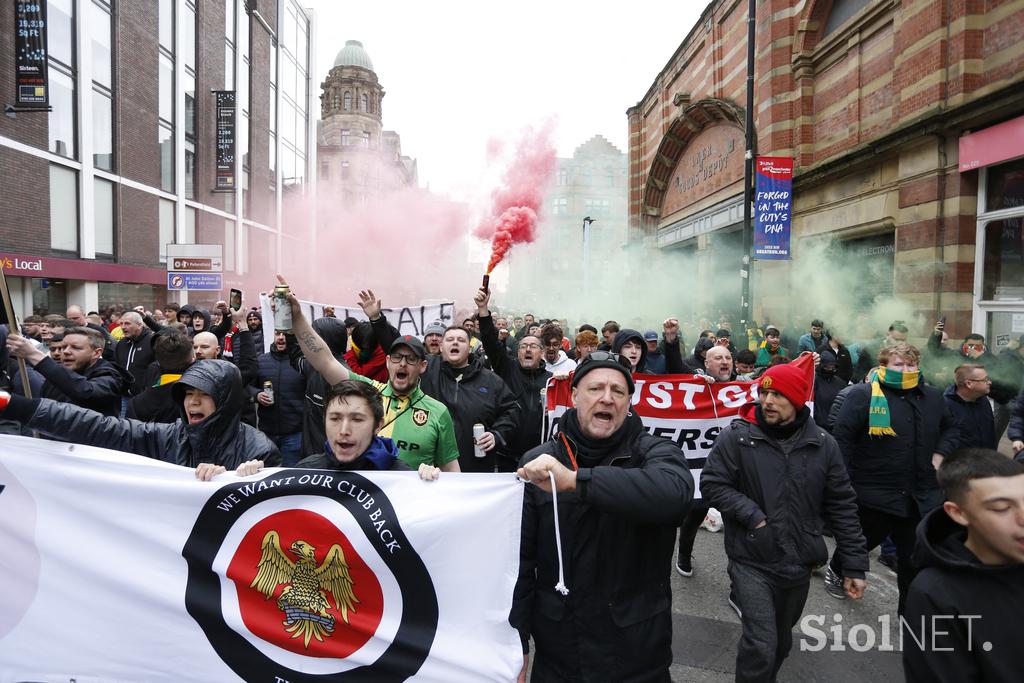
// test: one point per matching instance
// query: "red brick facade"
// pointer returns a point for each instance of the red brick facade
(871, 113)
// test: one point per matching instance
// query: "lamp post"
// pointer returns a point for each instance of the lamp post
(746, 264)
(586, 254)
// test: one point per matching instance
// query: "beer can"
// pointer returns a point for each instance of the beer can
(478, 431)
(268, 390)
(282, 309)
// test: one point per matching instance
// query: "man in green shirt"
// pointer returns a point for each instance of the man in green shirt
(419, 425)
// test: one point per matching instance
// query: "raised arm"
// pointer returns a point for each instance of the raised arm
(313, 347)
(383, 331)
(493, 347)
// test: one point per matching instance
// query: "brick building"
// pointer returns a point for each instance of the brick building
(904, 121)
(125, 162)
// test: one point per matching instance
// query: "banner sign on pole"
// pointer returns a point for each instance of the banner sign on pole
(116, 567)
(225, 140)
(406, 319)
(773, 208)
(682, 408)
(31, 74)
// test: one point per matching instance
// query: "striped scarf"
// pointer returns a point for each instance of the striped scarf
(879, 422)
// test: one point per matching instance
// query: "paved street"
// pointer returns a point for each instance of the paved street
(706, 629)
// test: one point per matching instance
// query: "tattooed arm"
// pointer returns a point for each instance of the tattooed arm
(313, 347)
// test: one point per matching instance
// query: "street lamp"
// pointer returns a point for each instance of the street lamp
(586, 253)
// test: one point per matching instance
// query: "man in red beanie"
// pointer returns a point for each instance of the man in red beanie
(778, 478)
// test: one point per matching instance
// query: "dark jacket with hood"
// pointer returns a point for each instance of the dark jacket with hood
(208, 323)
(797, 481)
(257, 334)
(380, 455)
(975, 419)
(99, 388)
(695, 363)
(474, 394)
(186, 309)
(974, 605)
(618, 534)
(221, 438)
(527, 386)
(826, 388)
(284, 415)
(626, 335)
(135, 355)
(894, 474)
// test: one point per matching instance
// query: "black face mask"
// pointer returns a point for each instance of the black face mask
(827, 372)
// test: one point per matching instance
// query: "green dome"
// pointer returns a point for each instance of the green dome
(353, 54)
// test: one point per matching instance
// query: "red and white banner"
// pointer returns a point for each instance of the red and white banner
(683, 408)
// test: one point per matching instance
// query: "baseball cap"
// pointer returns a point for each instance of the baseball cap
(436, 327)
(412, 342)
(650, 335)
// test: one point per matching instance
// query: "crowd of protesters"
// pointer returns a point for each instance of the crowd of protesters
(897, 435)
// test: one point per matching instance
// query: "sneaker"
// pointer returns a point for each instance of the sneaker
(889, 560)
(834, 584)
(685, 567)
(735, 606)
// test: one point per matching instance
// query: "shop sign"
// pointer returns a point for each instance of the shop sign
(992, 145)
(713, 160)
(225, 140)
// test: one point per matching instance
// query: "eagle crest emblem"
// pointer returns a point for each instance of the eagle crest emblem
(420, 416)
(306, 585)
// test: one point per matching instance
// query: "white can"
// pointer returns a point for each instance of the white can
(478, 431)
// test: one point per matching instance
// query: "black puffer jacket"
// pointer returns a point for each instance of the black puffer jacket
(894, 474)
(221, 438)
(826, 388)
(474, 394)
(976, 605)
(135, 355)
(527, 386)
(618, 535)
(626, 335)
(751, 476)
(99, 388)
(284, 415)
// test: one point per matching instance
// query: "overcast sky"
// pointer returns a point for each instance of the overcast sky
(459, 72)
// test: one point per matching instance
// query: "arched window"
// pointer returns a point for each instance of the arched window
(335, 101)
(841, 12)
(366, 103)
(348, 101)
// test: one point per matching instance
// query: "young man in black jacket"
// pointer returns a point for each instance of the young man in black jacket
(778, 479)
(963, 616)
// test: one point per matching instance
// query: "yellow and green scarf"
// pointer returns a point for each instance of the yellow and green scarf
(879, 422)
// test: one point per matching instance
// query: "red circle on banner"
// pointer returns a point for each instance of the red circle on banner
(266, 618)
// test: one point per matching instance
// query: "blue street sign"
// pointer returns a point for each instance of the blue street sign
(179, 281)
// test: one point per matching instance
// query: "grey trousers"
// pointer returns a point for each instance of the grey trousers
(770, 612)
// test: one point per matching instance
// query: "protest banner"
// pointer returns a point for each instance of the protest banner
(120, 568)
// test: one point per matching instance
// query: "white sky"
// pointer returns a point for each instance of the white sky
(460, 72)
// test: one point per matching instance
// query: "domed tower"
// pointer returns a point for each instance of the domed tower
(350, 102)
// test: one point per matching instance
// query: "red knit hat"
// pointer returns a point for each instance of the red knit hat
(790, 381)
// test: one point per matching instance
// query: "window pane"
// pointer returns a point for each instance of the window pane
(166, 226)
(102, 131)
(166, 20)
(166, 141)
(273, 155)
(229, 67)
(1005, 189)
(63, 208)
(60, 39)
(1004, 260)
(273, 110)
(103, 215)
(273, 64)
(188, 37)
(100, 21)
(229, 245)
(190, 170)
(190, 104)
(229, 20)
(166, 88)
(62, 118)
(190, 225)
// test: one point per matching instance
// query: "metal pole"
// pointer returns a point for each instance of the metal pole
(746, 265)
(586, 255)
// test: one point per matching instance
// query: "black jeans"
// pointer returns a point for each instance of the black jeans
(876, 525)
(689, 528)
(770, 611)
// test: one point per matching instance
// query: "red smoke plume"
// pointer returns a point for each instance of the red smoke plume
(515, 205)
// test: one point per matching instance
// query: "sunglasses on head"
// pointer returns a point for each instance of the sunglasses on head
(594, 356)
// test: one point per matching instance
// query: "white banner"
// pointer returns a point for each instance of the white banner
(407, 319)
(118, 568)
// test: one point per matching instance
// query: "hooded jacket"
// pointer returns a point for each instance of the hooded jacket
(965, 606)
(473, 394)
(618, 531)
(99, 388)
(284, 415)
(626, 335)
(826, 388)
(798, 485)
(695, 363)
(527, 386)
(221, 438)
(188, 309)
(894, 474)
(205, 315)
(135, 355)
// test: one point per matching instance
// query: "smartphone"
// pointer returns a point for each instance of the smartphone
(942, 321)
(235, 300)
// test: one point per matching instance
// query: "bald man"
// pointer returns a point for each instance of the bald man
(76, 315)
(206, 346)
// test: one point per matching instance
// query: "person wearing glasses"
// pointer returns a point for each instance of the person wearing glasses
(419, 425)
(620, 495)
(967, 398)
(525, 376)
